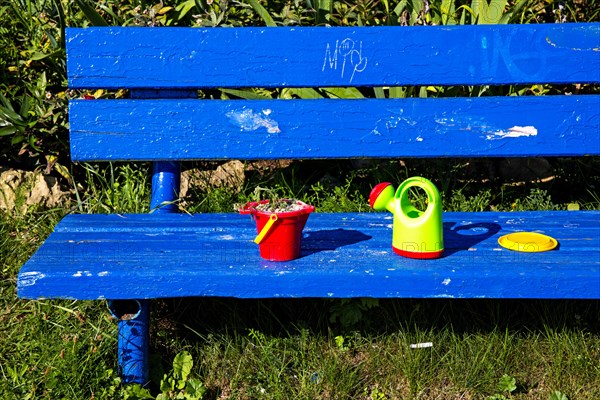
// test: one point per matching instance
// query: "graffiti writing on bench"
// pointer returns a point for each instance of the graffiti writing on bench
(346, 56)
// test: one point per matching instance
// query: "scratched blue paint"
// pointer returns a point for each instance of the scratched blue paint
(120, 57)
(334, 128)
(343, 255)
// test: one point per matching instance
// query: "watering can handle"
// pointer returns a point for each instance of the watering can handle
(263, 232)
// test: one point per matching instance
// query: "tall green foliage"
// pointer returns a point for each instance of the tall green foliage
(32, 81)
(33, 92)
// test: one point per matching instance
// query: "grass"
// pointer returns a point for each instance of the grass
(310, 348)
(48, 349)
(474, 344)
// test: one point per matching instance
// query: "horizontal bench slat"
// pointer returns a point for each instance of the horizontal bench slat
(158, 58)
(326, 128)
(344, 255)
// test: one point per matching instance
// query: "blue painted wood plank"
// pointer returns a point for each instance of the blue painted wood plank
(344, 255)
(327, 128)
(159, 58)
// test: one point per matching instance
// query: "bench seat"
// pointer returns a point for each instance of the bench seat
(146, 256)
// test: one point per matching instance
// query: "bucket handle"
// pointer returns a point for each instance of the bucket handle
(263, 232)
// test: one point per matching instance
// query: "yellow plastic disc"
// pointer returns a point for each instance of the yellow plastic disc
(529, 242)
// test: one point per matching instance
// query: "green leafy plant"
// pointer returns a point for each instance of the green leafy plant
(375, 394)
(330, 197)
(485, 12)
(262, 12)
(33, 120)
(178, 384)
(20, 120)
(111, 386)
(349, 312)
(342, 342)
(538, 199)
(556, 395)
(506, 386)
(459, 201)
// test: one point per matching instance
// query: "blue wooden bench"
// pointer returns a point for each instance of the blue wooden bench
(130, 259)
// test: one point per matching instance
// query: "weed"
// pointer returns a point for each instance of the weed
(349, 312)
(556, 395)
(176, 384)
(342, 342)
(375, 394)
(538, 199)
(329, 197)
(114, 189)
(460, 202)
(506, 386)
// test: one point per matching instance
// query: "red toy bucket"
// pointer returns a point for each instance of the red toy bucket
(279, 233)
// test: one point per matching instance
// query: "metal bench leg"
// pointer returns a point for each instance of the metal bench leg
(133, 318)
(165, 186)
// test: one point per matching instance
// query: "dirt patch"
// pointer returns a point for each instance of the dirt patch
(22, 189)
(230, 175)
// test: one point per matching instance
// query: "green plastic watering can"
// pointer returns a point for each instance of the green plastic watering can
(416, 233)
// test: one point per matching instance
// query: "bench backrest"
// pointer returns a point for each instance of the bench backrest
(165, 66)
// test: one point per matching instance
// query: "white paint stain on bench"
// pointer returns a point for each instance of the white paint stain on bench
(514, 132)
(30, 278)
(248, 120)
(388, 124)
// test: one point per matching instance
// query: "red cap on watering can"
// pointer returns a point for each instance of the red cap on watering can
(381, 195)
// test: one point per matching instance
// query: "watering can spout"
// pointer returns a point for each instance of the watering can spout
(382, 197)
